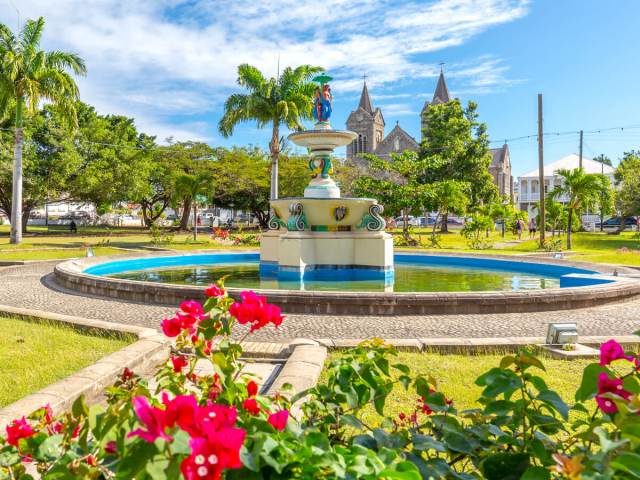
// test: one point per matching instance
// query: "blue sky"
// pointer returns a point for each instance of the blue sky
(170, 63)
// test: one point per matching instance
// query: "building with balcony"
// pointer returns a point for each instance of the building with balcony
(529, 183)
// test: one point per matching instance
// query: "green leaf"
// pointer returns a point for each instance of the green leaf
(631, 384)
(425, 442)
(351, 421)
(402, 471)
(536, 473)
(605, 444)
(627, 462)
(507, 361)
(50, 449)
(9, 456)
(458, 443)
(403, 368)
(79, 407)
(589, 385)
(528, 359)
(499, 407)
(505, 466)
(552, 398)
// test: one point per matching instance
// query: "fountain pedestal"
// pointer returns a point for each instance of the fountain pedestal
(322, 235)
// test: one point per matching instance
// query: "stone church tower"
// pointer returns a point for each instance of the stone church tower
(368, 124)
(441, 95)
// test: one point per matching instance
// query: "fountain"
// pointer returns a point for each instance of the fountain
(323, 235)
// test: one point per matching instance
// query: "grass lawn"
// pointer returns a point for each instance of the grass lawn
(34, 355)
(456, 375)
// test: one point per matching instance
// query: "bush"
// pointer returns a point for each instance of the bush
(475, 231)
(160, 236)
(217, 425)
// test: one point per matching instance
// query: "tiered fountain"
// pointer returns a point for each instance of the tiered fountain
(322, 235)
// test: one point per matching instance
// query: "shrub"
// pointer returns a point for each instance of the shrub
(218, 425)
(160, 236)
(475, 231)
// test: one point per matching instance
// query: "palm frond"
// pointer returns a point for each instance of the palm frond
(31, 33)
(250, 77)
(64, 60)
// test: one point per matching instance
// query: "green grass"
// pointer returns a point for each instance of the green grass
(34, 355)
(457, 373)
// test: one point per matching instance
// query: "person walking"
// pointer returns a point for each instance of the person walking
(519, 228)
(533, 226)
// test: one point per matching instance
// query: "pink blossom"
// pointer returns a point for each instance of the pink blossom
(211, 456)
(610, 385)
(255, 310)
(251, 406)
(214, 290)
(171, 327)
(279, 419)
(611, 351)
(179, 363)
(17, 430)
(252, 388)
(152, 418)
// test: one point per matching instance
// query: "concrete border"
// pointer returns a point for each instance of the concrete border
(70, 274)
(150, 348)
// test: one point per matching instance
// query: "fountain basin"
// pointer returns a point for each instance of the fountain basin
(325, 140)
(88, 275)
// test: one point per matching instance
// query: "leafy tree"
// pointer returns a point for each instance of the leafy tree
(115, 159)
(396, 184)
(446, 197)
(602, 158)
(192, 187)
(627, 177)
(456, 147)
(29, 75)
(503, 212)
(168, 162)
(583, 191)
(285, 100)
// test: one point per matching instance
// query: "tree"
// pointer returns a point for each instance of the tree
(29, 75)
(448, 196)
(602, 158)
(396, 184)
(455, 146)
(582, 190)
(194, 186)
(627, 177)
(284, 100)
(502, 212)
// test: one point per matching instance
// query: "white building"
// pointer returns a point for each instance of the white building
(529, 184)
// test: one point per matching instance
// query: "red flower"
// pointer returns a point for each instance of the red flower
(609, 385)
(171, 327)
(216, 387)
(48, 414)
(255, 310)
(126, 374)
(181, 411)
(611, 351)
(152, 418)
(18, 429)
(251, 406)
(91, 460)
(111, 448)
(179, 363)
(252, 388)
(214, 290)
(279, 419)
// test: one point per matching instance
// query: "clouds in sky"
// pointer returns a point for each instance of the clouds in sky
(171, 63)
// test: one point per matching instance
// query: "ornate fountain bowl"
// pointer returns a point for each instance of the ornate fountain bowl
(323, 139)
(326, 214)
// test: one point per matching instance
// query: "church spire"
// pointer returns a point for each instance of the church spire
(441, 95)
(365, 101)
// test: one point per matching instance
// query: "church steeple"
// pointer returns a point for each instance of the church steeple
(441, 95)
(365, 101)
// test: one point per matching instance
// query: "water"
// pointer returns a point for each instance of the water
(408, 278)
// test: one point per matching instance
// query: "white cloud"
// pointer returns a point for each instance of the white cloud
(153, 58)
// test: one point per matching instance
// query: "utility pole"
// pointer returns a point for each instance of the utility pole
(601, 200)
(541, 171)
(580, 164)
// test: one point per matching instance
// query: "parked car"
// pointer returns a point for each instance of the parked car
(614, 223)
(413, 221)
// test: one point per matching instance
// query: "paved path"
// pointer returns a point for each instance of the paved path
(30, 286)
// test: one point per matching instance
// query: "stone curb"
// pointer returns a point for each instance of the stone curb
(469, 345)
(91, 381)
(301, 370)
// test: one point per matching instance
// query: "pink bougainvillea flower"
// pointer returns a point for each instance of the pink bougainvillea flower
(48, 414)
(18, 429)
(252, 388)
(216, 387)
(279, 419)
(179, 363)
(609, 385)
(171, 327)
(111, 448)
(610, 351)
(152, 418)
(214, 417)
(126, 375)
(211, 456)
(214, 290)
(251, 406)
(255, 310)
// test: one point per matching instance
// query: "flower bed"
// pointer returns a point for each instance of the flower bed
(219, 426)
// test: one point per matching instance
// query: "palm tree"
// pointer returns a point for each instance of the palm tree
(29, 75)
(190, 187)
(582, 190)
(284, 100)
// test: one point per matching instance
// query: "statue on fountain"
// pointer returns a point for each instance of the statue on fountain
(322, 103)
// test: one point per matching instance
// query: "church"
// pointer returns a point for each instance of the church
(369, 124)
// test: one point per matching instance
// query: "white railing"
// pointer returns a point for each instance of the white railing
(535, 197)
